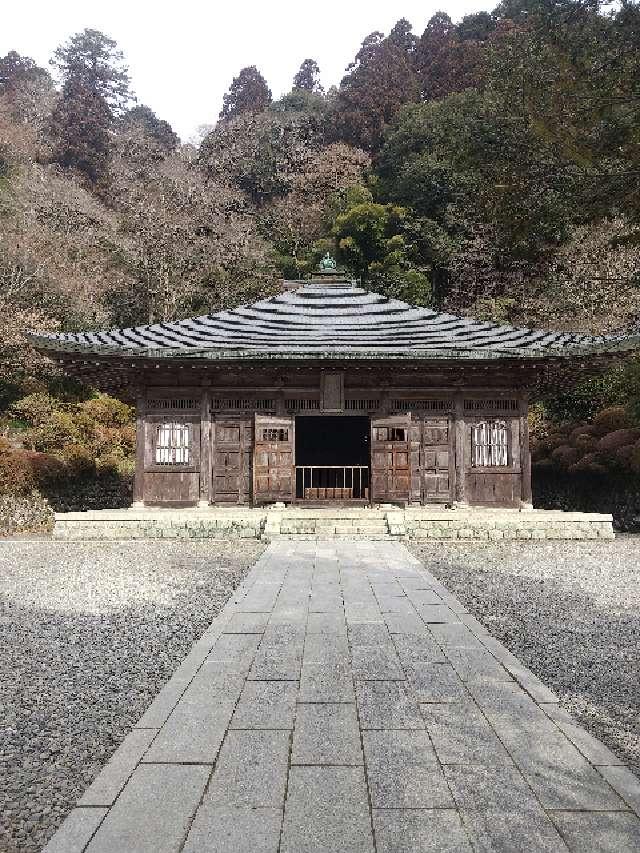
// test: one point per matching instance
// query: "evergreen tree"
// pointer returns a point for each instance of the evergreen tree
(307, 77)
(80, 125)
(92, 60)
(159, 130)
(248, 93)
(95, 90)
(16, 69)
(378, 83)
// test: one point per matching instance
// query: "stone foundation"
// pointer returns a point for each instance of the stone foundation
(416, 523)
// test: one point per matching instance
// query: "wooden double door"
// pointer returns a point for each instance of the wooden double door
(253, 459)
(411, 459)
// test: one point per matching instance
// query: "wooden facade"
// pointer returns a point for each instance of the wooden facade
(328, 393)
(242, 444)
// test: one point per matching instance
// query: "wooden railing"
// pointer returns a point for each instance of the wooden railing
(332, 482)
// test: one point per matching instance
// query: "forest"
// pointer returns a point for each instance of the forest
(488, 166)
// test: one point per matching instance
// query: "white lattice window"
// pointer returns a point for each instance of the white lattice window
(173, 443)
(490, 444)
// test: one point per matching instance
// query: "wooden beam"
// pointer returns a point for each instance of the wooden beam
(460, 429)
(525, 455)
(138, 477)
(205, 448)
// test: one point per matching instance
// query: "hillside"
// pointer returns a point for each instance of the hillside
(489, 167)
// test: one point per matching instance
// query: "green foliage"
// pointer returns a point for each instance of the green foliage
(93, 62)
(145, 119)
(248, 93)
(306, 78)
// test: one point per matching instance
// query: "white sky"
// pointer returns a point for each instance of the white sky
(182, 56)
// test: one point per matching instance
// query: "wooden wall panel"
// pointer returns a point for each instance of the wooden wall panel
(162, 488)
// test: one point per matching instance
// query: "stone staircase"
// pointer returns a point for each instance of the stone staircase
(335, 523)
(293, 522)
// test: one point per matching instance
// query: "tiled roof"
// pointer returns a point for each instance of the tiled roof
(329, 320)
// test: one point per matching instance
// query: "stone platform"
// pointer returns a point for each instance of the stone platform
(346, 702)
(274, 522)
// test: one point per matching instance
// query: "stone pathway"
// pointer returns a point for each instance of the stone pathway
(346, 702)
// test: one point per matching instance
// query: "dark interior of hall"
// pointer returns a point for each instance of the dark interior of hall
(332, 440)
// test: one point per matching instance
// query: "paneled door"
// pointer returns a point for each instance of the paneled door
(436, 459)
(273, 471)
(390, 470)
(231, 442)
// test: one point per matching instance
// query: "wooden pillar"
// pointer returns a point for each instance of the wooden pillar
(205, 448)
(526, 498)
(461, 438)
(138, 477)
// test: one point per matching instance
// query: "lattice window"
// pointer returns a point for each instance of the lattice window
(275, 434)
(422, 405)
(361, 405)
(391, 434)
(237, 404)
(496, 405)
(302, 405)
(175, 403)
(490, 444)
(173, 443)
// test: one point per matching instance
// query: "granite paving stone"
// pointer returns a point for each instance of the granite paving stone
(106, 787)
(326, 734)
(229, 830)
(326, 623)
(321, 712)
(599, 832)
(498, 831)
(326, 682)
(435, 682)
(251, 770)
(196, 727)
(153, 812)
(327, 810)
(419, 831)
(247, 623)
(418, 648)
(625, 783)
(592, 749)
(403, 771)
(76, 831)
(387, 705)
(461, 734)
(266, 705)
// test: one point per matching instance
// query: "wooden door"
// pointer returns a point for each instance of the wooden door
(390, 470)
(273, 471)
(230, 458)
(436, 461)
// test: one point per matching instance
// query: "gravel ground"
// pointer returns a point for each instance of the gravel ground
(89, 633)
(571, 612)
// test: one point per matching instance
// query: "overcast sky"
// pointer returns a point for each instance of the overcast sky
(183, 55)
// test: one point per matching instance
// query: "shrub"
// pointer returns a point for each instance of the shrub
(588, 464)
(34, 409)
(17, 477)
(107, 411)
(618, 438)
(565, 456)
(609, 420)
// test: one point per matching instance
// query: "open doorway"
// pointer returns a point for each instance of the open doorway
(332, 458)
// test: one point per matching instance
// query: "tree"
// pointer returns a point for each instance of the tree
(16, 70)
(143, 118)
(95, 90)
(261, 154)
(248, 93)
(376, 242)
(92, 60)
(80, 126)
(307, 77)
(445, 61)
(378, 83)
